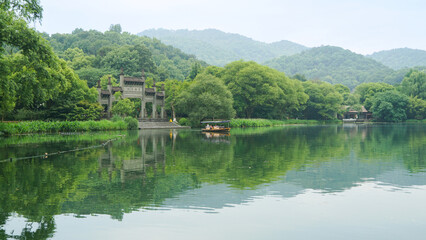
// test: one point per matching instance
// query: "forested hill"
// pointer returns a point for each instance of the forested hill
(93, 54)
(400, 58)
(220, 48)
(334, 65)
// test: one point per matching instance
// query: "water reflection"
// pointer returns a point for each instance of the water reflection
(188, 170)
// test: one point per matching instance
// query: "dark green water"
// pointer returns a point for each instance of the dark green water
(297, 182)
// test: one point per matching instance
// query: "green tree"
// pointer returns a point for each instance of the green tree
(343, 90)
(105, 79)
(206, 97)
(115, 28)
(262, 92)
(173, 88)
(123, 107)
(77, 59)
(29, 9)
(389, 106)
(324, 100)
(416, 108)
(366, 92)
(414, 84)
(195, 70)
(84, 111)
(132, 58)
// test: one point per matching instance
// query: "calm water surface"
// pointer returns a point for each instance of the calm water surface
(297, 182)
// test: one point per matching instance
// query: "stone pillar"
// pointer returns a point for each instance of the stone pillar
(122, 79)
(99, 91)
(142, 114)
(154, 102)
(154, 110)
(162, 111)
(110, 97)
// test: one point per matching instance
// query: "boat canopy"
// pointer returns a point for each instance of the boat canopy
(224, 121)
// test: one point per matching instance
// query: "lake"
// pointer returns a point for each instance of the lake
(346, 181)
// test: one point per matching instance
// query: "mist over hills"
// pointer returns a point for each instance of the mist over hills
(400, 58)
(333, 65)
(220, 48)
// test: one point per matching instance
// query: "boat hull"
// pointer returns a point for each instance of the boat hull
(216, 130)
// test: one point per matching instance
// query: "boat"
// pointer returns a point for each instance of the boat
(349, 120)
(216, 128)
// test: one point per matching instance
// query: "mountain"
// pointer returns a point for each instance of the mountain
(332, 64)
(219, 48)
(400, 58)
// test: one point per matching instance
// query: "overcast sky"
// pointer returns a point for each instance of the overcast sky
(363, 26)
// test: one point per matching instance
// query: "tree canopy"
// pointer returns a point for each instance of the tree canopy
(324, 101)
(206, 98)
(262, 92)
(390, 106)
(32, 78)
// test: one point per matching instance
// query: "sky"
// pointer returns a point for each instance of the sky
(362, 26)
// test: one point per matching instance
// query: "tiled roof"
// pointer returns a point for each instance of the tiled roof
(105, 92)
(149, 90)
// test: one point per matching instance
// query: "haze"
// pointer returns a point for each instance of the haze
(363, 26)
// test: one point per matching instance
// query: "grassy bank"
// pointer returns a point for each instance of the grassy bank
(241, 122)
(67, 126)
(416, 121)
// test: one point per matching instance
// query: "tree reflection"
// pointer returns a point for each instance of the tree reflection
(146, 168)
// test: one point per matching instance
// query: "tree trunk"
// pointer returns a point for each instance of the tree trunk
(173, 112)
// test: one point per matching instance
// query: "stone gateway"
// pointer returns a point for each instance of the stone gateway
(132, 87)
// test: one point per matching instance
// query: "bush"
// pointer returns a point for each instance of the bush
(116, 118)
(184, 122)
(132, 123)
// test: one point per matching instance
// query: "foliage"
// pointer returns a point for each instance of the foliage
(112, 50)
(253, 122)
(124, 107)
(333, 65)
(400, 58)
(105, 80)
(258, 122)
(34, 79)
(262, 92)
(184, 122)
(324, 101)
(206, 97)
(219, 48)
(132, 123)
(414, 84)
(61, 126)
(85, 110)
(172, 89)
(416, 108)
(366, 92)
(389, 106)
(29, 9)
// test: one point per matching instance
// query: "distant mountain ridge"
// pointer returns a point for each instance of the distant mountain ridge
(332, 64)
(400, 58)
(220, 48)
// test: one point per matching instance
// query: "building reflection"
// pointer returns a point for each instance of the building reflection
(152, 144)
